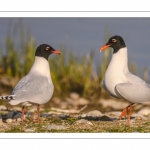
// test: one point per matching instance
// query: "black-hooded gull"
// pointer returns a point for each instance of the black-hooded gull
(36, 87)
(119, 82)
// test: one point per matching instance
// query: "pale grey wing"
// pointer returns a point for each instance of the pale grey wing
(133, 93)
(20, 84)
(104, 87)
(136, 81)
(36, 89)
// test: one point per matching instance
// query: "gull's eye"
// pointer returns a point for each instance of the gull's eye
(47, 48)
(114, 40)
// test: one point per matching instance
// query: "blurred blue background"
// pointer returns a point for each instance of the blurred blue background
(84, 34)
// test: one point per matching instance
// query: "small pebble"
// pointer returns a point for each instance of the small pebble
(30, 130)
(83, 121)
(13, 120)
(144, 111)
(3, 107)
(83, 101)
(83, 115)
(94, 113)
(9, 121)
(19, 119)
(56, 127)
(74, 96)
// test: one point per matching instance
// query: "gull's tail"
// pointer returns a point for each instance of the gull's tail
(8, 97)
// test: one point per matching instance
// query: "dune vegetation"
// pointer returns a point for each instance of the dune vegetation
(70, 72)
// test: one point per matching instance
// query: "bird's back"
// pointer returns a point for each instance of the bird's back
(33, 88)
(135, 90)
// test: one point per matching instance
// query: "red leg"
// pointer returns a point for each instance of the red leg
(38, 111)
(23, 115)
(130, 113)
(124, 112)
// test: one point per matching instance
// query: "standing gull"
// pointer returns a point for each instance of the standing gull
(119, 82)
(36, 87)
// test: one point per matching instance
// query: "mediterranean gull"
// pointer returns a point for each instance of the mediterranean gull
(36, 87)
(119, 82)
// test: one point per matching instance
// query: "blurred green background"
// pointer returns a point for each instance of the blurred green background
(71, 72)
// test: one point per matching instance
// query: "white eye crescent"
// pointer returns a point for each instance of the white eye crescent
(114, 40)
(47, 48)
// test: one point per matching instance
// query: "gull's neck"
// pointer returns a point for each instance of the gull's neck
(119, 61)
(40, 67)
(116, 70)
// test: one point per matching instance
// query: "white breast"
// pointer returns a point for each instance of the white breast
(41, 67)
(116, 70)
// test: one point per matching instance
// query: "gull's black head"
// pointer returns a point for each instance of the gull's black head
(116, 42)
(44, 50)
